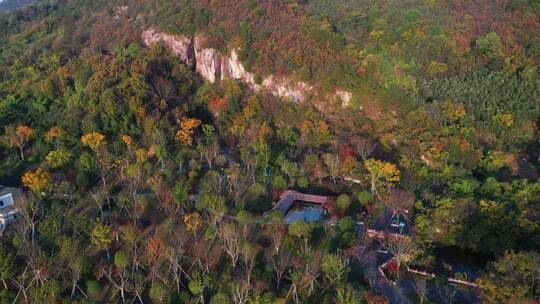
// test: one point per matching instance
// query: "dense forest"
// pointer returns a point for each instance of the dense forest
(141, 182)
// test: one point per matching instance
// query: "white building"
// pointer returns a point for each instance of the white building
(8, 210)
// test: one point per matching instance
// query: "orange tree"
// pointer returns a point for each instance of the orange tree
(187, 128)
(18, 137)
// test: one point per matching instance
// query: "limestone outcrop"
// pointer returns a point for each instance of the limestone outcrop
(212, 65)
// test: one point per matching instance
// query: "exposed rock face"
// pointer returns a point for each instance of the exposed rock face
(287, 88)
(212, 65)
(181, 46)
(207, 61)
(344, 96)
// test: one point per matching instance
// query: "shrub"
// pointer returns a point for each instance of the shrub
(346, 224)
(343, 202)
(365, 198)
(279, 182)
(302, 182)
(93, 289)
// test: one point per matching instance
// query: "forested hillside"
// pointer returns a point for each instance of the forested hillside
(10, 5)
(142, 182)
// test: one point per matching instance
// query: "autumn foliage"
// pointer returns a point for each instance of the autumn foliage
(18, 137)
(36, 180)
(55, 132)
(93, 140)
(187, 129)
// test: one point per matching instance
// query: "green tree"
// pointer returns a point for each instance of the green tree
(262, 156)
(7, 266)
(58, 158)
(181, 192)
(343, 202)
(101, 237)
(198, 282)
(279, 182)
(121, 259)
(346, 224)
(158, 292)
(365, 197)
(216, 207)
(489, 44)
(93, 289)
(513, 278)
(301, 230)
(347, 294)
(335, 267)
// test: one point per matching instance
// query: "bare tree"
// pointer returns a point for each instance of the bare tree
(137, 284)
(31, 208)
(175, 255)
(280, 264)
(199, 250)
(22, 282)
(229, 235)
(120, 287)
(333, 164)
(403, 248)
(312, 271)
(295, 278)
(420, 287)
(239, 182)
(155, 257)
(399, 202)
(159, 141)
(217, 182)
(365, 148)
(209, 152)
(240, 292)
(75, 275)
(275, 231)
(99, 195)
(134, 177)
(164, 195)
(67, 192)
(248, 252)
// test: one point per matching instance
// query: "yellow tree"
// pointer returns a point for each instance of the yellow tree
(382, 174)
(187, 128)
(18, 137)
(36, 180)
(97, 142)
(94, 140)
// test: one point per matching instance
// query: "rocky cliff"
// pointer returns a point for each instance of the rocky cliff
(211, 64)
